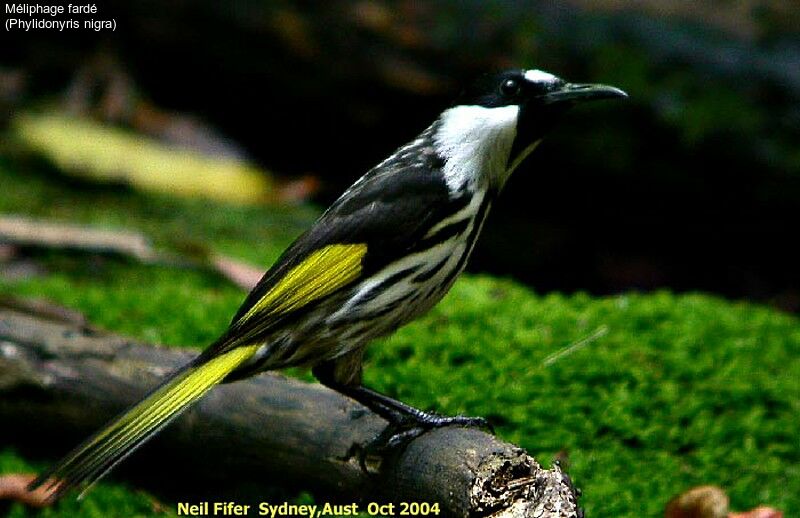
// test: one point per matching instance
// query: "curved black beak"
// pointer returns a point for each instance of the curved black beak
(570, 92)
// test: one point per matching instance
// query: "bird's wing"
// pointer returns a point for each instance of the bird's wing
(381, 217)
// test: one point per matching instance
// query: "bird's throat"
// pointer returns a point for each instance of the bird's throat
(522, 156)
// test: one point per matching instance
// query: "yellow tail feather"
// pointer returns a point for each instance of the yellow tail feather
(100, 453)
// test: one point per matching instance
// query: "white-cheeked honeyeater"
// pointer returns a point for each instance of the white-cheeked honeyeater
(382, 255)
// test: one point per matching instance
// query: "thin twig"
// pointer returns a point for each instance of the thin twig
(575, 346)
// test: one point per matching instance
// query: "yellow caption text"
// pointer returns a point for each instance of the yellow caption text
(309, 510)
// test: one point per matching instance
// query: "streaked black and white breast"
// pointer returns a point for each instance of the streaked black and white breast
(464, 154)
(420, 212)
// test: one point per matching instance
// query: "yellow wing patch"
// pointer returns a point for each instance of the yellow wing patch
(320, 274)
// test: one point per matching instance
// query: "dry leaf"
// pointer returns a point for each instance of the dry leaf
(758, 512)
(82, 147)
(711, 502)
(699, 502)
(14, 487)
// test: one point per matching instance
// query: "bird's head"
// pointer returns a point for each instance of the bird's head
(499, 119)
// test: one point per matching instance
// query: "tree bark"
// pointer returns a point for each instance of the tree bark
(61, 380)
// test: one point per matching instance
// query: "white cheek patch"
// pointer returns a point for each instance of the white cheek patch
(540, 76)
(475, 142)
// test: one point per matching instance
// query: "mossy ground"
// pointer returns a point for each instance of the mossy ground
(681, 390)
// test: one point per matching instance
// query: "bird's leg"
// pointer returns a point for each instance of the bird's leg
(401, 414)
(405, 422)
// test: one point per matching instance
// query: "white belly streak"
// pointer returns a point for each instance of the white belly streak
(450, 251)
(399, 289)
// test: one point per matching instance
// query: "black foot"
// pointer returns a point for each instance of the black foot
(405, 422)
(398, 434)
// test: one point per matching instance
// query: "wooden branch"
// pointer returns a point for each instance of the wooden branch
(60, 380)
(22, 232)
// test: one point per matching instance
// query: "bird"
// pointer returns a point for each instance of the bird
(383, 254)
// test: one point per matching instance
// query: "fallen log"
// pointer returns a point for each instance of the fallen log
(61, 380)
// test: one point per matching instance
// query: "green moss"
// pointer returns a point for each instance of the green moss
(681, 390)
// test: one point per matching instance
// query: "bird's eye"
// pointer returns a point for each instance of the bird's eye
(510, 87)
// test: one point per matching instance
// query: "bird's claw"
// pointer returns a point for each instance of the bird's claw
(396, 436)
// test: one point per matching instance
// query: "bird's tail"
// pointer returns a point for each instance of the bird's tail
(90, 461)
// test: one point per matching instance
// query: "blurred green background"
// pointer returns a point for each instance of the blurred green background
(692, 184)
(271, 109)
